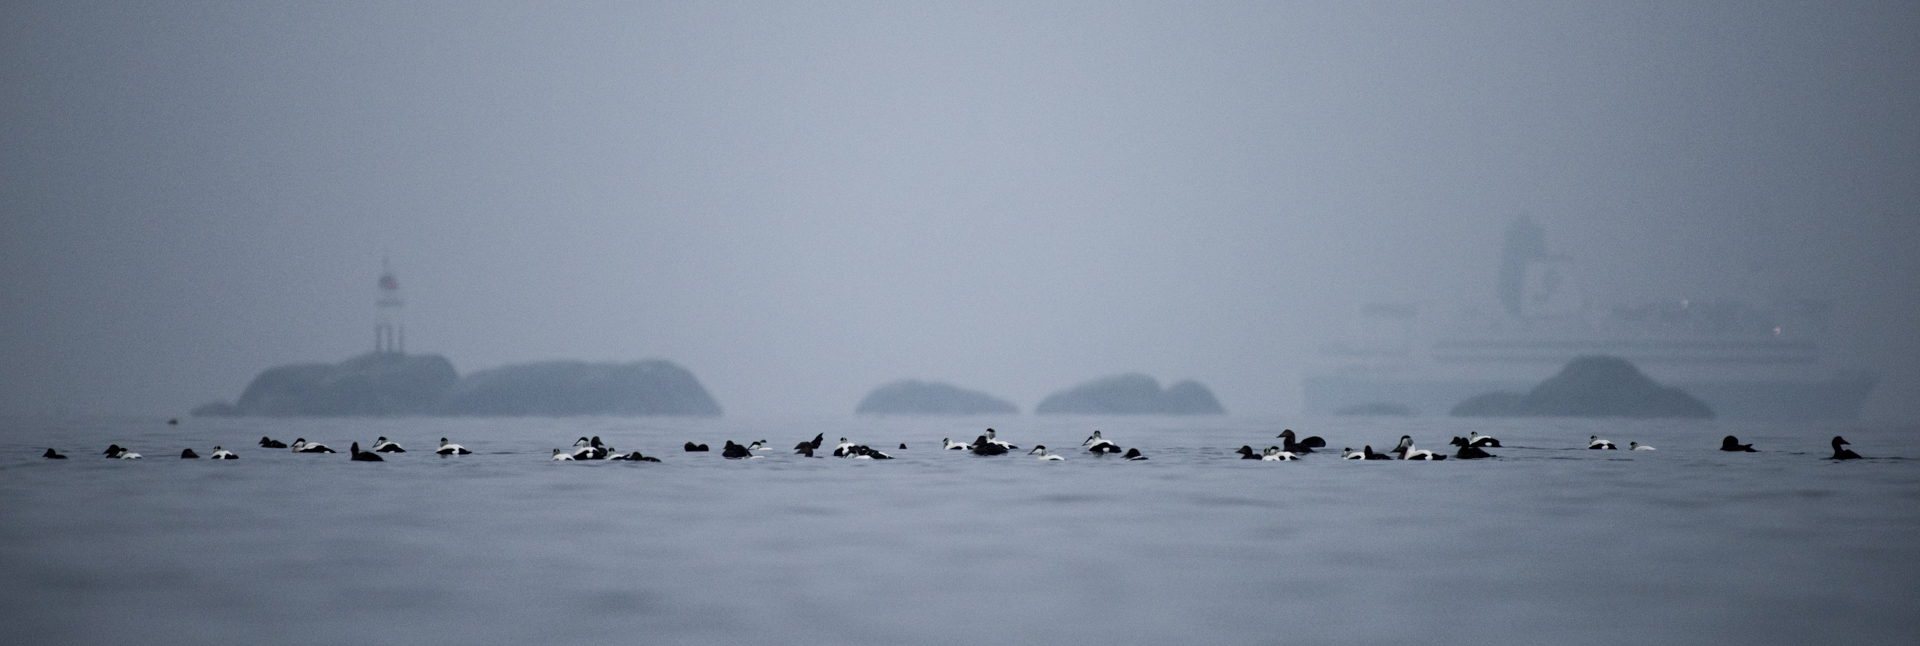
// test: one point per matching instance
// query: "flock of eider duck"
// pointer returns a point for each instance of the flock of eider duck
(1291, 447)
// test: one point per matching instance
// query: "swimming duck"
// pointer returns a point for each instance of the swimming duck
(270, 443)
(1843, 454)
(1104, 447)
(634, 457)
(1367, 451)
(364, 456)
(864, 452)
(188, 454)
(814, 443)
(1274, 454)
(562, 454)
(982, 447)
(1407, 452)
(735, 452)
(1636, 446)
(384, 445)
(1349, 454)
(1594, 442)
(53, 455)
(806, 450)
(759, 445)
(1134, 454)
(1288, 444)
(1247, 453)
(590, 449)
(841, 448)
(451, 449)
(121, 453)
(1094, 441)
(950, 445)
(994, 439)
(301, 445)
(691, 447)
(1041, 450)
(222, 454)
(1731, 443)
(1471, 453)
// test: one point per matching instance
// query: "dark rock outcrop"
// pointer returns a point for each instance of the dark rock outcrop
(912, 397)
(1131, 394)
(1593, 386)
(375, 384)
(564, 388)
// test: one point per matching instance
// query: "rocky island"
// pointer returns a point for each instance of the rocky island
(1131, 394)
(914, 397)
(391, 383)
(1592, 386)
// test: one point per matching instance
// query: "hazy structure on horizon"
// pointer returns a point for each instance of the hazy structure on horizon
(389, 329)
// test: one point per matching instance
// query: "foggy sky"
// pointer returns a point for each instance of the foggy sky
(799, 202)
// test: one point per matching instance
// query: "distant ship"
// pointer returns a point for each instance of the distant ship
(1745, 362)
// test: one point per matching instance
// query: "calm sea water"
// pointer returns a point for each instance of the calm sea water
(1550, 543)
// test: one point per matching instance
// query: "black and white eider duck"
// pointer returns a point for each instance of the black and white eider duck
(301, 445)
(1407, 452)
(117, 452)
(447, 448)
(188, 454)
(1276, 454)
(634, 456)
(1041, 450)
(864, 452)
(1348, 453)
(982, 447)
(758, 445)
(1731, 443)
(562, 454)
(950, 445)
(384, 445)
(1594, 442)
(840, 450)
(1636, 446)
(691, 447)
(991, 437)
(1475, 440)
(270, 443)
(1103, 448)
(1287, 443)
(1094, 441)
(222, 454)
(1134, 454)
(363, 456)
(591, 449)
(1840, 453)
(53, 455)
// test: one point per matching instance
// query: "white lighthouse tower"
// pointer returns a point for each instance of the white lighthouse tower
(389, 330)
